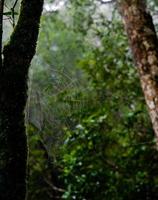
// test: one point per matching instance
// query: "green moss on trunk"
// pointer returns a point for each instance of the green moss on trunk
(18, 54)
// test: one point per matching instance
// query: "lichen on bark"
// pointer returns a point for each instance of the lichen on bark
(143, 42)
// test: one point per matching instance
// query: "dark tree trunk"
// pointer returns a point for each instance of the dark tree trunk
(18, 54)
(144, 44)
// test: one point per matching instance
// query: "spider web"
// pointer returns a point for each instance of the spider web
(46, 111)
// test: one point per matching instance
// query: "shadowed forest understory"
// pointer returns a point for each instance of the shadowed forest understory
(83, 105)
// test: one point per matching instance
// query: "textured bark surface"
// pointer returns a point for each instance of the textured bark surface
(144, 44)
(18, 54)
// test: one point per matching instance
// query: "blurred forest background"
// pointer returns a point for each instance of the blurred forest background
(90, 136)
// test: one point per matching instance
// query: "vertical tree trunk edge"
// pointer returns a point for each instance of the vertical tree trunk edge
(17, 54)
(143, 41)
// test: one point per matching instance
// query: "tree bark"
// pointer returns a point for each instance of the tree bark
(17, 54)
(144, 45)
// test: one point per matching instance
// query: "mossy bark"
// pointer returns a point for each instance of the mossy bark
(18, 54)
(144, 44)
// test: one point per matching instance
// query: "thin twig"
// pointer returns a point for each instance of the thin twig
(53, 187)
(13, 14)
(107, 1)
(15, 4)
(141, 143)
(1, 29)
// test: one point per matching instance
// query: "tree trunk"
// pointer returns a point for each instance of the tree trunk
(18, 54)
(144, 44)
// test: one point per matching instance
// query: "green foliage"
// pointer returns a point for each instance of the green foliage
(38, 166)
(92, 161)
(88, 108)
(107, 151)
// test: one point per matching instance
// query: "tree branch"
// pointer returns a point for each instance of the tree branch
(22, 44)
(15, 3)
